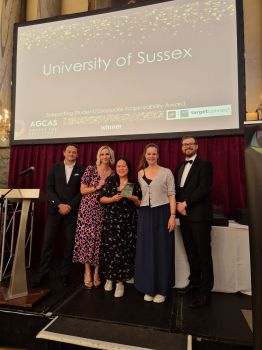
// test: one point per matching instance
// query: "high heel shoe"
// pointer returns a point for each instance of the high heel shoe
(88, 280)
(97, 281)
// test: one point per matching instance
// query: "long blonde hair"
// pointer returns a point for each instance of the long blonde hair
(143, 162)
(110, 151)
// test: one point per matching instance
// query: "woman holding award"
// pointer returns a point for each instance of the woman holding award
(121, 197)
(154, 262)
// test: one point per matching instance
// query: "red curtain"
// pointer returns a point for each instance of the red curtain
(226, 154)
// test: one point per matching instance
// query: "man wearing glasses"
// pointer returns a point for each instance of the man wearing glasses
(193, 183)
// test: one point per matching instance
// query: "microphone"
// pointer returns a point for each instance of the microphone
(27, 171)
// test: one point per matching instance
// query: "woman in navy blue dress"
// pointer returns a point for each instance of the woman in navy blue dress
(154, 262)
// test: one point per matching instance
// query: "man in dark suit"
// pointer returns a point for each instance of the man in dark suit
(63, 192)
(193, 182)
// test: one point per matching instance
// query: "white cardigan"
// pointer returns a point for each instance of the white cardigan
(158, 191)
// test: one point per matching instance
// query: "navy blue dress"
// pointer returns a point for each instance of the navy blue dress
(154, 262)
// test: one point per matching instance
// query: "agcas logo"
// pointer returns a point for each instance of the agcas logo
(43, 123)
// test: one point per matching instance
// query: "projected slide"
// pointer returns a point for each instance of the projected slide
(158, 69)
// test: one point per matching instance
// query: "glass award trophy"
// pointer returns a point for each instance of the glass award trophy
(127, 191)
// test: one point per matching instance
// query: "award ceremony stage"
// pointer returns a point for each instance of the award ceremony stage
(73, 317)
(126, 73)
(58, 317)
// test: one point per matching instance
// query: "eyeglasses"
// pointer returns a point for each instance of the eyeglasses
(188, 144)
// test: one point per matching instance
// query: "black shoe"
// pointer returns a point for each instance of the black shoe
(40, 280)
(200, 300)
(65, 281)
(188, 289)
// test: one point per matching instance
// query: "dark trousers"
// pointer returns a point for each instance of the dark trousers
(56, 222)
(197, 242)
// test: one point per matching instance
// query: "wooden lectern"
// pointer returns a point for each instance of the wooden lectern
(17, 294)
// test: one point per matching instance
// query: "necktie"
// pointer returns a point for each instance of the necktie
(188, 161)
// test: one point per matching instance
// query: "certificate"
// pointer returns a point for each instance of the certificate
(127, 191)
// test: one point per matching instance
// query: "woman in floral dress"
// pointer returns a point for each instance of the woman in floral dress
(91, 215)
(119, 228)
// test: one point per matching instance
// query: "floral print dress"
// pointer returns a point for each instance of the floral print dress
(89, 222)
(118, 234)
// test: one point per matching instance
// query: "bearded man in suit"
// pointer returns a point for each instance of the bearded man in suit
(194, 181)
(63, 192)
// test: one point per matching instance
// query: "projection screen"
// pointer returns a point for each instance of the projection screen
(152, 71)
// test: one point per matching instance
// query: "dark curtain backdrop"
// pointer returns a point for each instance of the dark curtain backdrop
(226, 154)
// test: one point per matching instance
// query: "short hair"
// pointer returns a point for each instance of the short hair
(110, 151)
(70, 144)
(143, 163)
(189, 137)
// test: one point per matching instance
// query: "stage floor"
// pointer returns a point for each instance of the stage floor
(220, 323)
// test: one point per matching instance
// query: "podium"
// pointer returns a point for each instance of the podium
(17, 293)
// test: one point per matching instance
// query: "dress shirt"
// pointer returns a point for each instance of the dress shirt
(68, 171)
(186, 170)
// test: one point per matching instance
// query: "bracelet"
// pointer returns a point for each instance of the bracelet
(173, 214)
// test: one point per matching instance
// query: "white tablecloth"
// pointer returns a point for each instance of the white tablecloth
(231, 259)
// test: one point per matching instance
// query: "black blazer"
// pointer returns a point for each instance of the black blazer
(59, 191)
(196, 190)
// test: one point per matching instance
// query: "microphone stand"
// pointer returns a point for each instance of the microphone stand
(2, 198)
(17, 293)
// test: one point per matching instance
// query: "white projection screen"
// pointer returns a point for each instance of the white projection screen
(151, 71)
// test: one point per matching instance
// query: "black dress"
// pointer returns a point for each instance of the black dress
(118, 234)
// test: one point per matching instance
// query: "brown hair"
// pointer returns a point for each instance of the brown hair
(188, 137)
(70, 144)
(143, 163)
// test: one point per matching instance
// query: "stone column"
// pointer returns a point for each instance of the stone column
(69, 6)
(36, 9)
(253, 53)
(4, 161)
(11, 11)
(99, 4)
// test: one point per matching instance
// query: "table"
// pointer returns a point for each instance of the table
(231, 259)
